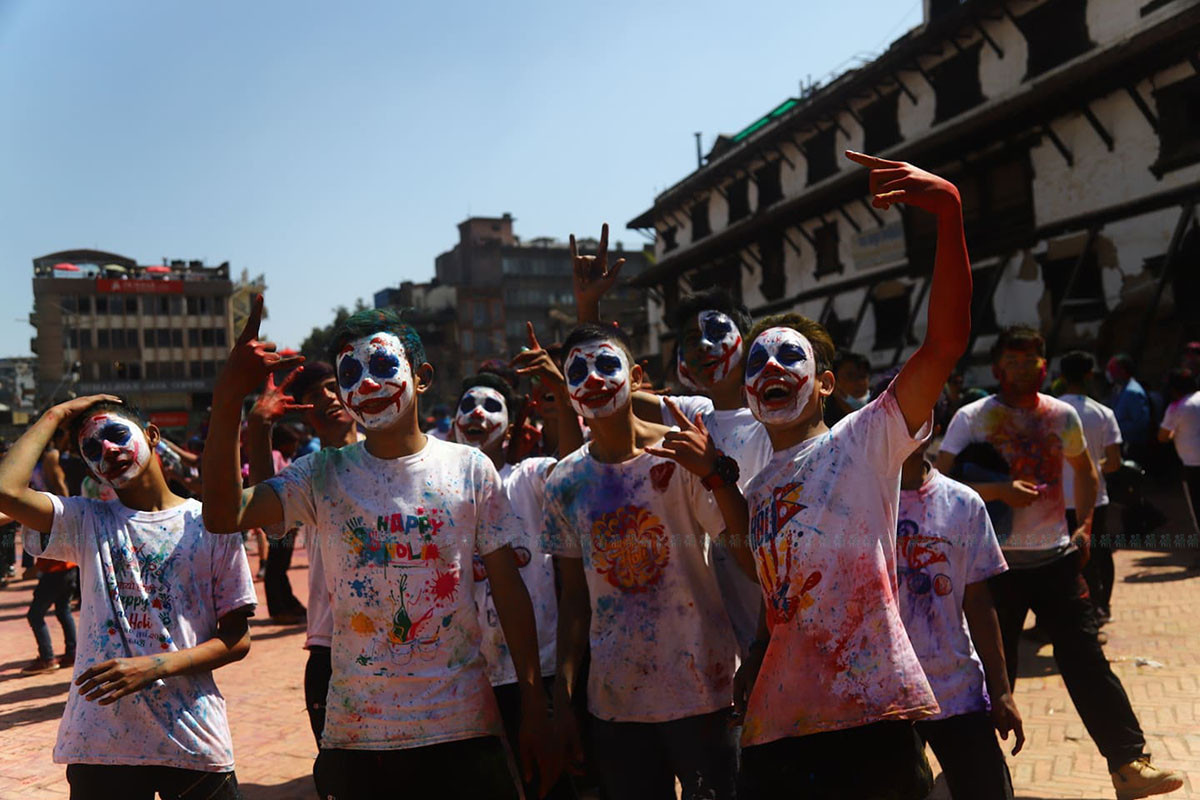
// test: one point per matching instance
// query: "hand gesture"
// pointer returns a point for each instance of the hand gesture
(252, 360)
(1006, 718)
(538, 365)
(691, 446)
(111, 680)
(1020, 494)
(274, 402)
(901, 182)
(593, 276)
(63, 412)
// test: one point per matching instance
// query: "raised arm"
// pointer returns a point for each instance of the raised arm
(270, 406)
(228, 508)
(922, 378)
(538, 365)
(593, 277)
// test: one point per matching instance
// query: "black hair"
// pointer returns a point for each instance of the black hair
(121, 408)
(1076, 366)
(492, 381)
(1019, 337)
(282, 435)
(378, 320)
(715, 299)
(1181, 382)
(594, 332)
(312, 374)
(848, 357)
(500, 367)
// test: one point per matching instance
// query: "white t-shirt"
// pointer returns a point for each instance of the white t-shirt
(525, 486)
(1100, 429)
(822, 528)
(945, 541)
(1033, 441)
(1183, 419)
(397, 536)
(740, 436)
(319, 621)
(662, 647)
(152, 582)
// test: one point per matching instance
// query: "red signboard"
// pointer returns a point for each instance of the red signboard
(169, 419)
(138, 286)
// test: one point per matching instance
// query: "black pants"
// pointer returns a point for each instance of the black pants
(971, 759)
(280, 599)
(1057, 594)
(880, 761)
(104, 782)
(53, 589)
(470, 769)
(1191, 490)
(1099, 571)
(316, 688)
(8, 548)
(641, 760)
(508, 698)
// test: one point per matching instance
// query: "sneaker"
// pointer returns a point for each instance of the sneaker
(66, 660)
(1140, 778)
(39, 665)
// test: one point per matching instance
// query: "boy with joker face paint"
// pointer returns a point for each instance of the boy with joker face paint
(632, 527)
(837, 674)
(164, 603)
(400, 516)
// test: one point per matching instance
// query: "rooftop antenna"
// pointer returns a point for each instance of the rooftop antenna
(699, 157)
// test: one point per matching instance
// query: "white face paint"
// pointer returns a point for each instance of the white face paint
(685, 374)
(780, 373)
(482, 417)
(597, 378)
(375, 381)
(719, 350)
(115, 449)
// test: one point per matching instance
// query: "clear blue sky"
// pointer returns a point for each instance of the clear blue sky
(335, 146)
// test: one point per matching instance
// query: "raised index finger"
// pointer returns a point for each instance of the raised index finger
(574, 251)
(870, 161)
(250, 332)
(603, 242)
(685, 424)
(533, 342)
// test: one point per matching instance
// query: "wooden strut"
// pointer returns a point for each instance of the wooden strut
(1185, 220)
(878, 219)
(987, 37)
(1076, 268)
(1138, 101)
(1104, 135)
(993, 285)
(904, 88)
(850, 219)
(795, 248)
(909, 317)
(1058, 144)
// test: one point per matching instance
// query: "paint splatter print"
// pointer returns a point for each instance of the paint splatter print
(398, 538)
(151, 582)
(945, 541)
(662, 647)
(822, 528)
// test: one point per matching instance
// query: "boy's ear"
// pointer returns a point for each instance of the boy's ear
(637, 376)
(153, 435)
(826, 383)
(423, 378)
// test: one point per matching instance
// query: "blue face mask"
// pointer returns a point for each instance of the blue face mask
(856, 403)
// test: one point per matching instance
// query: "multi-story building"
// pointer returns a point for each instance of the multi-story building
(1072, 129)
(430, 308)
(156, 333)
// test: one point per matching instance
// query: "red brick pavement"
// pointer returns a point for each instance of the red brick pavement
(1156, 618)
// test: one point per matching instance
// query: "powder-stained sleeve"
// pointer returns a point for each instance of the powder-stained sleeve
(232, 583)
(987, 560)
(65, 532)
(880, 430)
(559, 536)
(1073, 441)
(495, 523)
(294, 486)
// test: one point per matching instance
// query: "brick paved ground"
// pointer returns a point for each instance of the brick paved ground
(1156, 618)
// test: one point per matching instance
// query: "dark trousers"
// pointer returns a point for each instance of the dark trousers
(971, 759)
(8, 548)
(1057, 594)
(508, 698)
(641, 760)
(280, 599)
(53, 589)
(470, 769)
(105, 781)
(1099, 572)
(1191, 490)
(316, 687)
(880, 761)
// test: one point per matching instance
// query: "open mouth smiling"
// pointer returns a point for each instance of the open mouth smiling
(778, 391)
(377, 405)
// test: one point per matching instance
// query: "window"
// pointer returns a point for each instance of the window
(891, 307)
(148, 337)
(196, 369)
(481, 314)
(770, 251)
(72, 339)
(133, 371)
(193, 337)
(101, 305)
(1178, 125)
(162, 337)
(70, 304)
(819, 152)
(219, 333)
(739, 199)
(102, 339)
(131, 305)
(177, 308)
(1055, 32)
(826, 241)
(208, 337)
(727, 274)
(881, 123)
(983, 311)
(956, 84)
(152, 370)
(668, 236)
(700, 224)
(468, 341)
(769, 181)
(162, 305)
(105, 368)
(176, 337)
(85, 339)
(1086, 301)
(117, 336)
(197, 305)
(840, 330)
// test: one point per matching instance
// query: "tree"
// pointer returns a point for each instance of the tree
(316, 346)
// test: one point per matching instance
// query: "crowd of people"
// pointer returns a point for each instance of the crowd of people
(762, 586)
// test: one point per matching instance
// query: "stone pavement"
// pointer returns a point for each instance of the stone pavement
(1154, 643)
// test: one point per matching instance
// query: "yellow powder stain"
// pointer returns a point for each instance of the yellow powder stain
(361, 623)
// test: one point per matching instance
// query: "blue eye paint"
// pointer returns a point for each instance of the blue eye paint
(492, 404)
(349, 371)
(790, 354)
(758, 360)
(609, 365)
(577, 370)
(716, 328)
(384, 364)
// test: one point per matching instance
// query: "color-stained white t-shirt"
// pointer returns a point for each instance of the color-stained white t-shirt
(740, 436)
(151, 582)
(944, 541)
(823, 532)
(1033, 441)
(318, 624)
(662, 647)
(1100, 429)
(396, 541)
(1183, 419)
(525, 487)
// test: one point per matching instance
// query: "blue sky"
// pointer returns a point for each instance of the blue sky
(335, 146)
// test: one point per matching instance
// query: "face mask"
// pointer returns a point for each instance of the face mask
(780, 372)
(115, 449)
(598, 379)
(482, 418)
(856, 403)
(375, 381)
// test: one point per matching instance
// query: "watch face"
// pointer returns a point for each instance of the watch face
(728, 469)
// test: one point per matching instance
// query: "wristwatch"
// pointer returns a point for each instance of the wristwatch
(725, 473)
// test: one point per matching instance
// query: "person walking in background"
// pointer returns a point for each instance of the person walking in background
(1131, 405)
(56, 579)
(1181, 427)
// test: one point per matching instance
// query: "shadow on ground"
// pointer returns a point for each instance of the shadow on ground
(296, 789)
